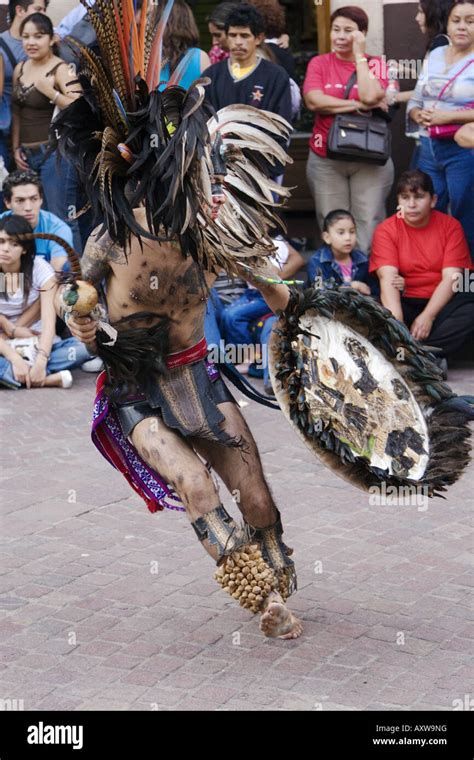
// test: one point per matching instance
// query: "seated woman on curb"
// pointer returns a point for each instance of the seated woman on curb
(25, 278)
(429, 250)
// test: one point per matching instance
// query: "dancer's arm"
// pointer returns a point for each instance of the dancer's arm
(95, 260)
(276, 295)
(94, 268)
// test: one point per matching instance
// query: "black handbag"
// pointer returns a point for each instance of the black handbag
(359, 137)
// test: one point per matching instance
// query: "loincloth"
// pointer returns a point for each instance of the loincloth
(186, 398)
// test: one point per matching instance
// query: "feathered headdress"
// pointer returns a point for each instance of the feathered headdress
(133, 145)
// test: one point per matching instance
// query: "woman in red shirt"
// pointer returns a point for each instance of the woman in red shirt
(358, 187)
(429, 250)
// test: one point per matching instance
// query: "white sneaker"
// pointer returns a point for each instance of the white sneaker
(66, 378)
(93, 365)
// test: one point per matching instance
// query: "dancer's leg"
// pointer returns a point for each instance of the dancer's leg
(241, 470)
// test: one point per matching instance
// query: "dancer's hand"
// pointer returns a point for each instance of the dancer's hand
(83, 328)
(45, 85)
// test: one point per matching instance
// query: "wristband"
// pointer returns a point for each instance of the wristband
(43, 353)
(361, 59)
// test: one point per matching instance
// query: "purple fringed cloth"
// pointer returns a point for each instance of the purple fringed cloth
(107, 436)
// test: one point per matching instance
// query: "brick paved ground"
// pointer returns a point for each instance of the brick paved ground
(87, 623)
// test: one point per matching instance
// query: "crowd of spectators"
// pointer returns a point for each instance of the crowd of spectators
(415, 262)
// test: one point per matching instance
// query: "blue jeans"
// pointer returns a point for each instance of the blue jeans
(65, 354)
(452, 171)
(51, 177)
(237, 319)
(214, 310)
(264, 338)
(71, 189)
(415, 158)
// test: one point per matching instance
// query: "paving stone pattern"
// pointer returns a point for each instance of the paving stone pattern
(105, 606)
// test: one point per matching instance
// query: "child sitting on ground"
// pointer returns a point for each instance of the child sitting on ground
(338, 263)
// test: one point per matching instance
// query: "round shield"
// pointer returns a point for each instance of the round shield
(363, 395)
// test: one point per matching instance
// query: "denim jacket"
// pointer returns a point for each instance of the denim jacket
(323, 264)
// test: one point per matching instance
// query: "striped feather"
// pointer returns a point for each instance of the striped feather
(154, 65)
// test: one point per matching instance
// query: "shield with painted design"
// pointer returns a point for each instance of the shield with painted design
(365, 396)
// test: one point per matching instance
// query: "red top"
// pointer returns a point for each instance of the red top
(330, 74)
(420, 254)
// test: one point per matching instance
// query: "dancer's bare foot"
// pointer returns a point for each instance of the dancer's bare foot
(278, 621)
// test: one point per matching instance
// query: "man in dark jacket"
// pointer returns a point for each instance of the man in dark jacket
(246, 77)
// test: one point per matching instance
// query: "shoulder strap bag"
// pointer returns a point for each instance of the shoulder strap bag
(447, 131)
(360, 137)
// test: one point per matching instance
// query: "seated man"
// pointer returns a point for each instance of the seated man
(23, 195)
(429, 250)
(226, 290)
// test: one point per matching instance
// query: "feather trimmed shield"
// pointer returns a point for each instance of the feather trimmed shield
(365, 396)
